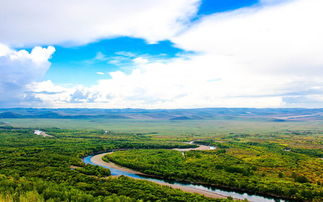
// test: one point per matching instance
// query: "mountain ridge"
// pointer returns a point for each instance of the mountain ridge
(273, 114)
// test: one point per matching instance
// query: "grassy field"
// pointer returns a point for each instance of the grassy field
(187, 128)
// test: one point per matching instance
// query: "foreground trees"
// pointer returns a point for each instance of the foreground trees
(50, 169)
(34, 168)
(264, 168)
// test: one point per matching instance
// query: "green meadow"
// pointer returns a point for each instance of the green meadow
(171, 128)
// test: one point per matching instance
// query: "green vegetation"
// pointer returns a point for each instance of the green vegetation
(288, 165)
(282, 159)
(35, 168)
(187, 128)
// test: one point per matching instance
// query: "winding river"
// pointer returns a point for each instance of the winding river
(193, 188)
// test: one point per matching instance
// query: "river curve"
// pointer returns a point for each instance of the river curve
(211, 192)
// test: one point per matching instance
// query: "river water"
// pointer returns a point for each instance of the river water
(233, 194)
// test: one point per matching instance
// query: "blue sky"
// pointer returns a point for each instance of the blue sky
(79, 64)
(161, 54)
(82, 62)
(208, 7)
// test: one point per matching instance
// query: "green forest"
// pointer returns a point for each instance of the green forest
(287, 165)
(36, 168)
(280, 162)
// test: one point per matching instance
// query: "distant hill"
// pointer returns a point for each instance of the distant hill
(180, 118)
(269, 114)
(10, 115)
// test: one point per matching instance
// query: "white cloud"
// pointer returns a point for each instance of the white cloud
(140, 60)
(272, 2)
(284, 39)
(274, 49)
(169, 84)
(18, 69)
(37, 22)
(100, 73)
(265, 56)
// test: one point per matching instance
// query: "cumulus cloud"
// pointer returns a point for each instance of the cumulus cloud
(274, 49)
(18, 69)
(168, 84)
(283, 39)
(269, 55)
(37, 22)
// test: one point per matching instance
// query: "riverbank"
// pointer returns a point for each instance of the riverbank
(198, 187)
(200, 148)
(97, 159)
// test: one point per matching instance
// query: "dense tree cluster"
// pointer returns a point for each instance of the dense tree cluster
(35, 168)
(257, 167)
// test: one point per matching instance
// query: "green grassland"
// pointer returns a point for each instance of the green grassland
(172, 128)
